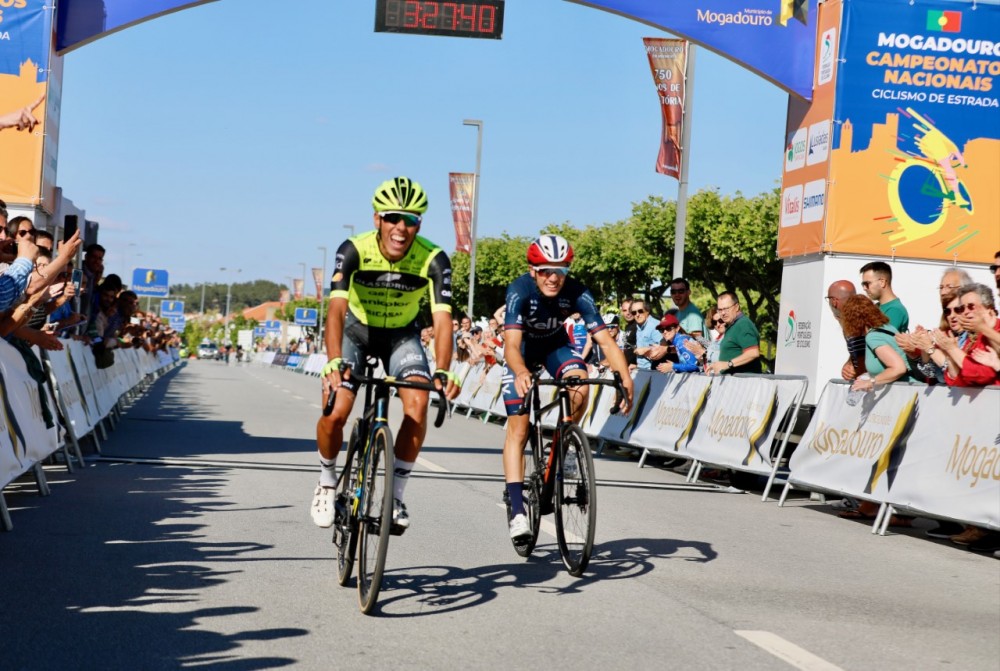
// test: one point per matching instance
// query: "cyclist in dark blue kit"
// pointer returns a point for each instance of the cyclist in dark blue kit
(538, 303)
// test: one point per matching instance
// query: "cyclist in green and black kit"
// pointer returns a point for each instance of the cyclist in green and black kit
(375, 293)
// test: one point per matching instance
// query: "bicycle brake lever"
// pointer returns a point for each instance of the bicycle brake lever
(443, 407)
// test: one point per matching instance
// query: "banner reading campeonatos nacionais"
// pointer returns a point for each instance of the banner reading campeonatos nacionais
(916, 157)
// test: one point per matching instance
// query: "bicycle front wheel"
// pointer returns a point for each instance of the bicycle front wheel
(345, 522)
(374, 516)
(576, 500)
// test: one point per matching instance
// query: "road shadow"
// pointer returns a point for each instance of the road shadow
(434, 590)
(107, 572)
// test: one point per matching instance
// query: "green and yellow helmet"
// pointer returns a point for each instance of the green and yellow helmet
(400, 194)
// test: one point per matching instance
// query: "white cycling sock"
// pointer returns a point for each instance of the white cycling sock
(327, 472)
(402, 470)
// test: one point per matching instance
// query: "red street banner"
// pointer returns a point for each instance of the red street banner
(668, 63)
(461, 185)
(299, 286)
(284, 296)
(318, 279)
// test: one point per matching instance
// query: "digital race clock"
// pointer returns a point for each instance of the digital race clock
(455, 18)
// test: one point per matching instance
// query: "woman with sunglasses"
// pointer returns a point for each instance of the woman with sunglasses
(933, 359)
(974, 311)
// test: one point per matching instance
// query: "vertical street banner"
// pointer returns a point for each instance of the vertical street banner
(30, 75)
(284, 295)
(806, 189)
(916, 147)
(461, 187)
(668, 64)
(299, 287)
(318, 280)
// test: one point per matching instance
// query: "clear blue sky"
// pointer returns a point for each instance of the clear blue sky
(245, 133)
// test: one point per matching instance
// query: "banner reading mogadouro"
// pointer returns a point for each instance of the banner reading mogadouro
(668, 64)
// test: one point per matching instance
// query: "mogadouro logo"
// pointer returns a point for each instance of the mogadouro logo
(791, 206)
(818, 148)
(813, 201)
(795, 151)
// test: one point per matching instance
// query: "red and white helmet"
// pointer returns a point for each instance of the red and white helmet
(550, 249)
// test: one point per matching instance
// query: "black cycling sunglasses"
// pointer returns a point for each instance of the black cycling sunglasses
(407, 218)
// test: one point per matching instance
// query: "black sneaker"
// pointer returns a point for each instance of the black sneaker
(988, 543)
(945, 530)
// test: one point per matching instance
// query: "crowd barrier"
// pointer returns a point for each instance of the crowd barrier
(931, 451)
(78, 399)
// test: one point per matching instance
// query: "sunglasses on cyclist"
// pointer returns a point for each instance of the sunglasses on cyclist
(971, 307)
(407, 218)
(545, 271)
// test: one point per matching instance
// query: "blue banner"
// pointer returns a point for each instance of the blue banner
(306, 316)
(83, 21)
(171, 308)
(150, 282)
(774, 38)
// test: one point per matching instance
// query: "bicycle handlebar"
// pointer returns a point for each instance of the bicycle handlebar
(577, 382)
(444, 407)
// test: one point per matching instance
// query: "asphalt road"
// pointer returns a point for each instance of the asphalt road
(188, 544)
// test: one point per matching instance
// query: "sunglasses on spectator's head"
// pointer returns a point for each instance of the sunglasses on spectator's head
(407, 218)
(545, 271)
(971, 307)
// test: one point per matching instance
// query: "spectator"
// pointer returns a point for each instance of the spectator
(646, 335)
(627, 334)
(14, 275)
(836, 294)
(673, 333)
(977, 315)
(463, 349)
(579, 337)
(739, 349)
(45, 241)
(952, 280)
(93, 273)
(995, 268)
(691, 320)
(876, 280)
(598, 359)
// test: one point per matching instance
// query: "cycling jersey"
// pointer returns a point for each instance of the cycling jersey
(541, 319)
(384, 294)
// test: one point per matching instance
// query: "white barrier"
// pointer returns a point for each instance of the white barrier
(932, 450)
(667, 421)
(83, 396)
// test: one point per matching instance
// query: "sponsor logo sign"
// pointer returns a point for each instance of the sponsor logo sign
(813, 201)
(818, 146)
(791, 206)
(795, 150)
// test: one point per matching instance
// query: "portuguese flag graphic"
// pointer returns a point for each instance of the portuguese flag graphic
(944, 22)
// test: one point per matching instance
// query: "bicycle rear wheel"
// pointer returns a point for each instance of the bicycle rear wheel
(345, 523)
(374, 516)
(576, 500)
(532, 492)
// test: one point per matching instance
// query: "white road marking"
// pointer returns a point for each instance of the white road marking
(431, 466)
(297, 397)
(313, 405)
(287, 391)
(787, 651)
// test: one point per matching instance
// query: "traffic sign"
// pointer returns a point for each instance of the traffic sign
(150, 282)
(259, 332)
(306, 316)
(272, 326)
(177, 322)
(171, 308)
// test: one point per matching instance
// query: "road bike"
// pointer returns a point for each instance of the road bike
(362, 520)
(563, 480)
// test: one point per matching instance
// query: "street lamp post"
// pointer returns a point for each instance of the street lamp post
(202, 311)
(321, 345)
(475, 209)
(303, 278)
(350, 229)
(229, 297)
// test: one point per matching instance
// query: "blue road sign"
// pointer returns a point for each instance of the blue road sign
(171, 308)
(259, 332)
(150, 282)
(272, 326)
(177, 322)
(306, 316)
